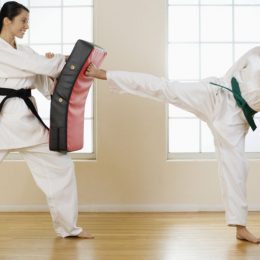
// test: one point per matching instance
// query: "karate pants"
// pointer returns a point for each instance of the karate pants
(218, 109)
(54, 174)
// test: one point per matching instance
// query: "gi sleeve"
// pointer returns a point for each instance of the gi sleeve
(241, 62)
(45, 85)
(25, 59)
(47, 66)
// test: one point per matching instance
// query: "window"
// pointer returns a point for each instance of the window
(55, 26)
(198, 32)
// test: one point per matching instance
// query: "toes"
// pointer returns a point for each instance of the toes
(248, 239)
(85, 235)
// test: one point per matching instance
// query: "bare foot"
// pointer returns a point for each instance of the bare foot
(244, 234)
(83, 235)
(93, 72)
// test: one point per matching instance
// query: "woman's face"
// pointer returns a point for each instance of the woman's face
(20, 24)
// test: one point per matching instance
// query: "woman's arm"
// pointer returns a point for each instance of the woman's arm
(28, 61)
(241, 62)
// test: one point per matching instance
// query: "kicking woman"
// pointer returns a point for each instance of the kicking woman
(226, 104)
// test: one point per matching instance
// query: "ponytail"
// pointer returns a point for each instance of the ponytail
(1, 20)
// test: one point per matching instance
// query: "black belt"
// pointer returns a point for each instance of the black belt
(21, 93)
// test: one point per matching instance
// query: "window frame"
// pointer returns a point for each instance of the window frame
(77, 156)
(201, 155)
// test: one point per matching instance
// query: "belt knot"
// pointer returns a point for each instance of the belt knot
(241, 102)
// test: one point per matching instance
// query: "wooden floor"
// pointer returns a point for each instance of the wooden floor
(127, 236)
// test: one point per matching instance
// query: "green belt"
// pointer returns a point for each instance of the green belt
(247, 110)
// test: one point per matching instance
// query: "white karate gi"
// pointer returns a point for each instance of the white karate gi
(217, 107)
(21, 131)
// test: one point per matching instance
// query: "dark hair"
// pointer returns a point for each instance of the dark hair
(10, 10)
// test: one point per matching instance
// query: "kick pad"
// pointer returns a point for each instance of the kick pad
(69, 98)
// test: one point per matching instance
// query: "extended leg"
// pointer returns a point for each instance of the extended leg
(195, 97)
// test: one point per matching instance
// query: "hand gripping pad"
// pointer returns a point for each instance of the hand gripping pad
(69, 98)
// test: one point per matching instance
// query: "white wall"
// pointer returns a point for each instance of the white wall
(131, 171)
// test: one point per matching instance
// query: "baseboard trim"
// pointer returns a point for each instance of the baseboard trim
(126, 208)
(150, 208)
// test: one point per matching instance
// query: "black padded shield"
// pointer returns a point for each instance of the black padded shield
(62, 92)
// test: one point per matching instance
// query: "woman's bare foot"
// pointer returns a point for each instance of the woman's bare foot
(85, 235)
(93, 72)
(244, 234)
